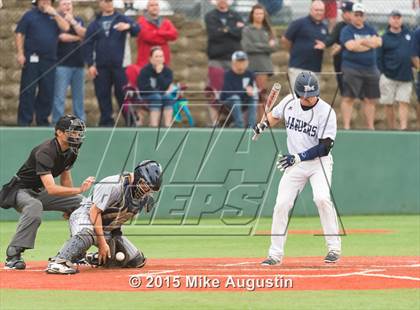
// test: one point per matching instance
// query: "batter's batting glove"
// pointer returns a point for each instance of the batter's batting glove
(286, 161)
(260, 127)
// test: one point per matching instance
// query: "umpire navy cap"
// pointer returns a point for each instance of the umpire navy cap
(347, 6)
(239, 55)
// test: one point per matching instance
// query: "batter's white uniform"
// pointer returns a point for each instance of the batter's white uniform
(304, 129)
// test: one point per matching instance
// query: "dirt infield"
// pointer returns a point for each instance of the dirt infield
(221, 274)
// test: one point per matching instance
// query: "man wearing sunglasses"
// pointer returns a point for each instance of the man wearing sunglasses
(359, 67)
(115, 200)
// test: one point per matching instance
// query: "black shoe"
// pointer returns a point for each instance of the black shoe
(15, 262)
(270, 262)
(332, 257)
(14, 258)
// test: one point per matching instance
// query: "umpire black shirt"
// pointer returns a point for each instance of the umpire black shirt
(46, 158)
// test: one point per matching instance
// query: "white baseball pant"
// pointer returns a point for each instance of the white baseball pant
(291, 184)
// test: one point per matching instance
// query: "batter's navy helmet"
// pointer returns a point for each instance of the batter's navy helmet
(306, 85)
(148, 177)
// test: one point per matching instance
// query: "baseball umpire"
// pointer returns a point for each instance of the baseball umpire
(33, 189)
(115, 200)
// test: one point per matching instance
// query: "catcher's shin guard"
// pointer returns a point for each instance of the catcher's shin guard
(76, 247)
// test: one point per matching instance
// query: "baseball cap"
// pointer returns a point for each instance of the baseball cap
(347, 6)
(395, 13)
(358, 7)
(239, 55)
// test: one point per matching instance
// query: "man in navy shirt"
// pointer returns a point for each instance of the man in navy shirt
(416, 62)
(105, 44)
(36, 42)
(394, 62)
(239, 90)
(70, 62)
(360, 71)
(305, 38)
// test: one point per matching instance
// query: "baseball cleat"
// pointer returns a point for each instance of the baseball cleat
(15, 262)
(332, 257)
(60, 268)
(270, 262)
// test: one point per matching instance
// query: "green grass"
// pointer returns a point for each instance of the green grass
(337, 300)
(404, 241)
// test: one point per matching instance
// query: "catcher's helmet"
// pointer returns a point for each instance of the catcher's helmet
(75, 130)
(148, 177)
(306, 85)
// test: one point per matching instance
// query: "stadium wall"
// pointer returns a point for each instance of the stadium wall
(218, 172)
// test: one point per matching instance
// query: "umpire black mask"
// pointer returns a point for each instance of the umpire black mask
(75, 130)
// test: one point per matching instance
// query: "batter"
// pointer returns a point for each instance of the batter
(311, 127)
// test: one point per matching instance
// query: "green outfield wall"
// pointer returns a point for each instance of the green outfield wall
(223, 173)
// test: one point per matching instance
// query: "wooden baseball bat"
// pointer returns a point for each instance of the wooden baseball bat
(271, 100)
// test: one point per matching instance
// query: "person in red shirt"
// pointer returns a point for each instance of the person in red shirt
(156, 31)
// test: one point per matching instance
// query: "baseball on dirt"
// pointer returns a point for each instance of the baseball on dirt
(120, 256)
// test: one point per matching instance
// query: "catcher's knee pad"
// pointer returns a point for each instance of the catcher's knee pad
(138, 261)
(76, 247)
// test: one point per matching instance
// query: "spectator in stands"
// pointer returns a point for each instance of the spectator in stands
(305, 38)
(330, 13)
(333, 41)
(259, 41)
(156, 31)
(394, 62)
(70, 69)
(272, 6)
(155, 82)
(105, 42)
(239, 90)
(224, 34)
(36, 42)
(360, 71)
(416, 62)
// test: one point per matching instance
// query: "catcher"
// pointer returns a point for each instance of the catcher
(114, 201)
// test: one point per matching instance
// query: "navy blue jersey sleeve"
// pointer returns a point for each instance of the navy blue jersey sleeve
(293, 30)
(90, 40)
(23, 24)
(134, 27)
(346, 35)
